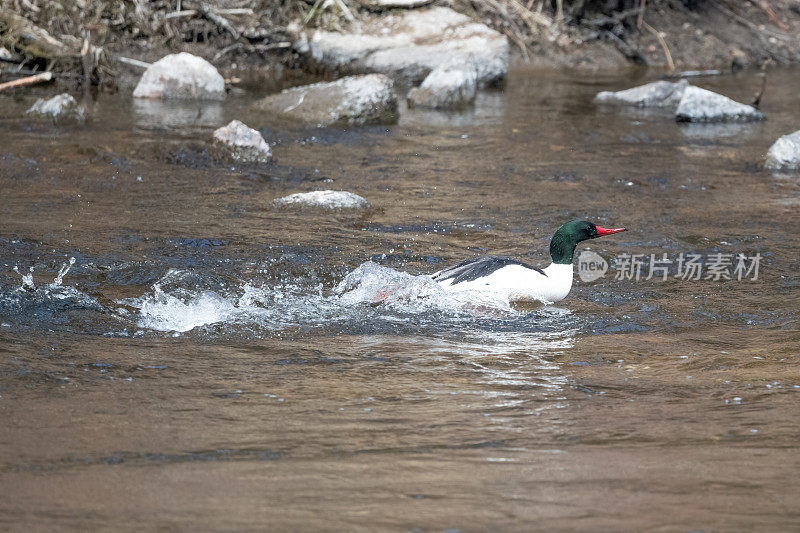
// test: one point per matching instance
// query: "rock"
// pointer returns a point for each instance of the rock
(445, 89)
(701, 105)
(323, 200)
(785, 153)
(6, 55)
(240, 143)
(182, 75)
(656, 94)
(61, 109)
(410, 45)
(353, 100)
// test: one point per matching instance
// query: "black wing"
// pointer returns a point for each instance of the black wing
(472, 269)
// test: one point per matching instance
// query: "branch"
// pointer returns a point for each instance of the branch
(33, 39)
(30, 80)
(663, 43)
(757, 99)
(209, 13)
(612, 20)
(746, 22)
(132, 62)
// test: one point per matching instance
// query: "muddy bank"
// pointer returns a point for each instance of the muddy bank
(256, 42)
(716, 34)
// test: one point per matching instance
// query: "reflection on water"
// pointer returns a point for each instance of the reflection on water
(506, 360)
(741, 131)
(490, 106)
(152, 114)
(242, 350)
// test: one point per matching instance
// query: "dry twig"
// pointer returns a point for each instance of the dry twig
(210, 13)
(180, 14)
(30, 80)
(345, 10)
(663, 43)
(746, 22)
(640, 18)
(764, 5)
(757, 98)
(133, 62)
(33, 39)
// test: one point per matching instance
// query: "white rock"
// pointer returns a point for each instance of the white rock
(241, 143)
(336, 50)
(323, 200)
(412, 44)
(445, 89)
(785, 153)
(352, 100)
(60, 108)
(701, 105)
(656, 94)
(183, 76)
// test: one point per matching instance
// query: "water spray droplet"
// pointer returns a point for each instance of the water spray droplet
(63, 272)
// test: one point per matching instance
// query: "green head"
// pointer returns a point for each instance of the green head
(567, 237)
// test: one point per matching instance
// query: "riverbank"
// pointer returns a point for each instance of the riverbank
(256, 42)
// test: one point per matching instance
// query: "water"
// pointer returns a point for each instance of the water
(178, 354)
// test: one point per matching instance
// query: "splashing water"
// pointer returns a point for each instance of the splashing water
(376, 284)
(27, 279)
(371, 297)
(51, 304)
(62, 272)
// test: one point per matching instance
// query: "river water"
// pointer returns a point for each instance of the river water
(207, 362)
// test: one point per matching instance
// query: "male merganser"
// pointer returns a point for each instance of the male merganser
(519, 281)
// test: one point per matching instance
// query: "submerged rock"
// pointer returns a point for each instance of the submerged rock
(182, 75)
(240, 143)
(323, 200)
(355, 100)
(656, 94)
(701, 105)
(785, 153)
(61, 109)
(445, 89)
(412, 44)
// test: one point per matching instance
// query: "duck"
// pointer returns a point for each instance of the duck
(521, 282)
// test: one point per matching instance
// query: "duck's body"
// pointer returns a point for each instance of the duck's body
(515, 280)
(518, 281)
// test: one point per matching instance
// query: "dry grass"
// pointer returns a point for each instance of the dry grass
(61, 34)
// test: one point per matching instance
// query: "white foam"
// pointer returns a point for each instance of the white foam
(165, 312)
